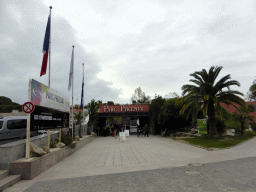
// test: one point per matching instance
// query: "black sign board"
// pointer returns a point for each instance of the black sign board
(46, 118)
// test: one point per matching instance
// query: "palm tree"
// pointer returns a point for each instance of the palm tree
(207, 95)
(79, 116)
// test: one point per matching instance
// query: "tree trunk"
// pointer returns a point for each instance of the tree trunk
(80, 128)
(242, 128)
(207, 124)
(211, 117)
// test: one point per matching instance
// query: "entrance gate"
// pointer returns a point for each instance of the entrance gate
(130, 115)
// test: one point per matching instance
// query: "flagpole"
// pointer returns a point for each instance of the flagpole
(72, 93)
(49, 81)
(83, 94)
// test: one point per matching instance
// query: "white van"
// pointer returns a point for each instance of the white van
(14, 127)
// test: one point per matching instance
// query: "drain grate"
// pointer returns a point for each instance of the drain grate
(196, 164)
(192, 172)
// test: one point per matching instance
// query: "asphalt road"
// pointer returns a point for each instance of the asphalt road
(233, 175)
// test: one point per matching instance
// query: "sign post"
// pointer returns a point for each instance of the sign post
(28, 108)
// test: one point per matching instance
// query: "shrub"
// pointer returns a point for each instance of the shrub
(253, 126)
(233, 124)
(67, 140)
(220, 124)
(249, 134)
(187, 129)
(73, 145)
(88, 131)
(53, 143)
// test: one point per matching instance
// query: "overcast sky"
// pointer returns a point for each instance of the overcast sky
(152, 44)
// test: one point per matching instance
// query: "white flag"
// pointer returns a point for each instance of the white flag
(71, 71)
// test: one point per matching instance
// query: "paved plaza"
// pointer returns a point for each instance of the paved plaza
(150, 163)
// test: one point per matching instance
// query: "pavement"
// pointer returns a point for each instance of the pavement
(150, 163)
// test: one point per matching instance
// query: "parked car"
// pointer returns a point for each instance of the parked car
(14, 127)
(41, 132)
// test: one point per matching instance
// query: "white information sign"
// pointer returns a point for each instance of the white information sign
(127, 133)
(122, 136)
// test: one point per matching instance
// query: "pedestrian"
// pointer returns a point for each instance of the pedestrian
(146, 129)
(105, 131)
(138, 130)
(141, 131)
(98, 131)
(120, 128)
(112, 130)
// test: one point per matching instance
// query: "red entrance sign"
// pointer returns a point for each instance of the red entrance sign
(28, 107)
(123, 108)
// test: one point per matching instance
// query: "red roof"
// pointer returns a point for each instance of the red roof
(231, 108)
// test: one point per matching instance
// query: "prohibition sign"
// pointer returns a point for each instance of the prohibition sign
(28, 107)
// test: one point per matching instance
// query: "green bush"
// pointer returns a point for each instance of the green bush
(186, 129)
(233, 124)
(253, 126)
(73, 145)
(67, 140)
(249, 134)
(54, 143)
(88, 131)
(221, 126)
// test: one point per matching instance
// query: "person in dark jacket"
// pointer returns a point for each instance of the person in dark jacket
(141, 131)
(138, 130)
(146, 129)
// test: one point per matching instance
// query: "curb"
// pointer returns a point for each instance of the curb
(211, 149)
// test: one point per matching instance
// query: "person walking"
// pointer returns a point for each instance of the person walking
(98, 131)
(146, 129)
(105, 131)
(141, 131)
(138, 131)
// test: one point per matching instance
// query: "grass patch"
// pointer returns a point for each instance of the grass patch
(223, 142)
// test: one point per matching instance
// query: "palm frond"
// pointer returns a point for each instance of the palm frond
(222, 80)
(215, 73)
(227, 84)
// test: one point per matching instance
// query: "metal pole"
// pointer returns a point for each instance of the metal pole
(83, 98)
(72, 91)
(49, 82)
(28, 123)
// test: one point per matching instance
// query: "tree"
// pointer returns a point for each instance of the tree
(77, 106)
(110, 103)
(93, 112)
(251, 94)
(170, 118)
(113, 120)
(139, 97)
(79, 116)
(242, 114)
(6, 105)
(5, 101)
(154, 110)
(207, 94)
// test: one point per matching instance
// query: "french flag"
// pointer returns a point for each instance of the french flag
(46, 47)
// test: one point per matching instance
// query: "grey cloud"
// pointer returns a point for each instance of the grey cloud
(22, 54)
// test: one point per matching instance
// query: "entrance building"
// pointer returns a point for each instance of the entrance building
(132, 115)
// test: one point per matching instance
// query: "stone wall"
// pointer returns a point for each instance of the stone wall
(29, 169)
(16, 150)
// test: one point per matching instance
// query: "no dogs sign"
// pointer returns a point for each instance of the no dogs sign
(28, 107)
